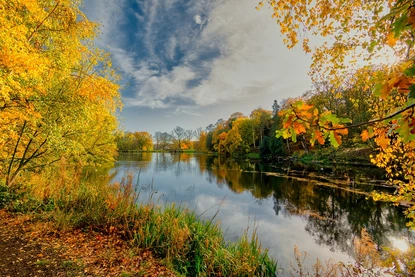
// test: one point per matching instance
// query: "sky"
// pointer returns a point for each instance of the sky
(189, 63)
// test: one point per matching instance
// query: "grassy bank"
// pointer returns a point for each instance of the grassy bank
(339, 156)
(189, 245)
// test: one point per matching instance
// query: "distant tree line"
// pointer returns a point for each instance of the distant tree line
(134, 141)
(256, 133)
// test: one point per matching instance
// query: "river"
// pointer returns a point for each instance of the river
(285, 212)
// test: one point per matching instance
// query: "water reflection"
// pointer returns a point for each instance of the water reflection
(322, 220)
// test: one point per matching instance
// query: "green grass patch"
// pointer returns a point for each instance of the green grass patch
(197, 247)
(253, 156)
(42, 263)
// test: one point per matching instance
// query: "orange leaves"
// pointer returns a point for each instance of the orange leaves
(319, 137)
(340, 129)
(260, 5)
(411, 18)
(399, 78)
(365, 135)
(302, 118)
(412, 126)
(299, 128)
(223, 136)
(335, 139)
(391, 40)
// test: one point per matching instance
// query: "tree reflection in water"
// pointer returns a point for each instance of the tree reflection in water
(333, 217)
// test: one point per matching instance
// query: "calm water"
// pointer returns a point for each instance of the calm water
(320, 220)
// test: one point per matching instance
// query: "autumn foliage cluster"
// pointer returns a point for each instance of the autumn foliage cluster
(129, 141)
(239, 134)
(58, 92)
(373, 42)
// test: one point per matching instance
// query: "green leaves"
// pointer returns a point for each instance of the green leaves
(333, 140)
(411, 93)
(410, 71)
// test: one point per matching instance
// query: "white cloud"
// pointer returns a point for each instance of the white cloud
(123, 60)
(188, 111)
(198, 19)
(171, 47)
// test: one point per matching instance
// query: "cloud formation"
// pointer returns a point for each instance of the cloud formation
(185, 55)
(208, 53)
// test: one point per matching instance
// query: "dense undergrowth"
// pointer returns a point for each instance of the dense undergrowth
(189, 245)
(341, 155)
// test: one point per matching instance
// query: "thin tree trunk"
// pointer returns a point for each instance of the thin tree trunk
(8, 179)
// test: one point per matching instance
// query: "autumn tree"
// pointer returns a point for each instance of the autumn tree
(261, 120)
(352, 100)
(247, 131)
(165, 140)
(234, 143)
(178, 134)
(131, 141)
(201, 144)
(220, 144)
(58, 93)
(157, 138)
(359, 33)
(234, 117)
(217, 137)
(144, 141)
(187, 142)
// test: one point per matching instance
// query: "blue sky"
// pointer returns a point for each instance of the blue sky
(191, 62)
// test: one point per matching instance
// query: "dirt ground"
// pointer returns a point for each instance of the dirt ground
(34, 248)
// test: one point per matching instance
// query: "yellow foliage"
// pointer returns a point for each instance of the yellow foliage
(58, 97)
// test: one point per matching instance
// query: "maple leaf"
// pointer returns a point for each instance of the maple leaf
(341, 130)
(382, 141)
(299, 128)
(319, 137)
(391, 40)
(334, 140)
(365, 135)
(384, 91)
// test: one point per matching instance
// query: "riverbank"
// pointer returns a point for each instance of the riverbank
(68, 207)
(33, 247)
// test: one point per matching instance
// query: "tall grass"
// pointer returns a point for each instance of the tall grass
(192, 246)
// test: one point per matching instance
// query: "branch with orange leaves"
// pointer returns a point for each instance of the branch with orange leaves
(302, 117)
(370, 122)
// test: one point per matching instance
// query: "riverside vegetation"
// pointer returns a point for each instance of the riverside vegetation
(190, 246)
